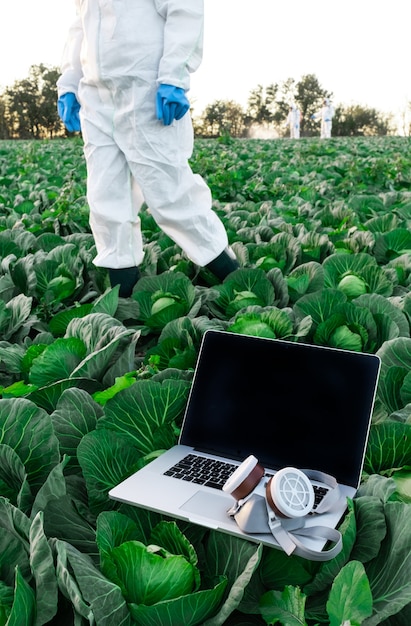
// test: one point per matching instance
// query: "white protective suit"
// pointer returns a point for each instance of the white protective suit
(117, 54)
(293, 120)
(326, 115)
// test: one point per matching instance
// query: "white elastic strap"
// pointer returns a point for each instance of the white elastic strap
(333, 495)
(234, 509)
(280, 534)
(323, 532)
(289, 542)
(238, 504)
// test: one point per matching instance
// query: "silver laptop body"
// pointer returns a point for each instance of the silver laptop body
(288, 404)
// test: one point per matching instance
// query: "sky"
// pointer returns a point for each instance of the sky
(359, 50)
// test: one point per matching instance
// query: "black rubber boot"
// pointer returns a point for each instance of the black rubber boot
(223, 265)
(126, 277)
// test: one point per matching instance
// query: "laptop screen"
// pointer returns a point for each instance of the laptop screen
(287, 403)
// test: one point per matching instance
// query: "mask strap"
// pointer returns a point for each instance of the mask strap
(332, 496)
(322, 532)
(239, 503)
(289, 542)
(279, 533)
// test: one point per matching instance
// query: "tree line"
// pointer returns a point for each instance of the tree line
(267, 110)
(28, 110)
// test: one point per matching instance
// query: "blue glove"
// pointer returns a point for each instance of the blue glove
(171, 103)
(68, 109)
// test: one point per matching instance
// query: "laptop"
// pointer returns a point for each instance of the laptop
(288, 404)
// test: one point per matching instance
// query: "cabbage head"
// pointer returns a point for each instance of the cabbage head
(349, 328)
(163, 298)
(252, 324)
(244, 288)
(269, 322)
(352, 285)
(357, 274)
(347, 339)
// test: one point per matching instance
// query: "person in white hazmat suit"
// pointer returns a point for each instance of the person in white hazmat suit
(326, 116)
(294, 121)
(125, 72)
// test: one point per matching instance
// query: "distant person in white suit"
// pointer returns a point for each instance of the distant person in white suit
(293, 121)
(326, 116)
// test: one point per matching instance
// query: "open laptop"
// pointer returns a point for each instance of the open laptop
(288, 404)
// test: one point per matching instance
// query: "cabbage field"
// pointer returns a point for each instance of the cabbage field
(92, 386)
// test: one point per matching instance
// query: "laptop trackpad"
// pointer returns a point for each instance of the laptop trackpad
(204, 504)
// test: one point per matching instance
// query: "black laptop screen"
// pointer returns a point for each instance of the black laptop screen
(288, 404)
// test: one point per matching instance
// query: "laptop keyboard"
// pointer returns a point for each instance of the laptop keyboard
(213, 473)
(202, 471)
(319, 493)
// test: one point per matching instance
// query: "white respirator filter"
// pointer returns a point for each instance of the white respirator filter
(290, 493)
(244, 479)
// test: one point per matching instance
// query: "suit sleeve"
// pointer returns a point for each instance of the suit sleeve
(183, 40)
(71, 71)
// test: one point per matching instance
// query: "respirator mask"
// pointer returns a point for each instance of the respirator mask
(281, 504)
